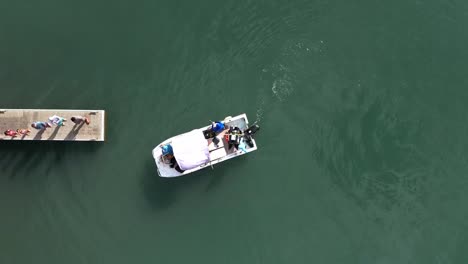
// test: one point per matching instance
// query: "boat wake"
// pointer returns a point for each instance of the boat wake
(286, 74)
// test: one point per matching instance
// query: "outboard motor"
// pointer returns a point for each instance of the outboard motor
(249, 132)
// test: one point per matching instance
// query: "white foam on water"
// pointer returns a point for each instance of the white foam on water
(284, 73)
(281, 89)
(260, 110)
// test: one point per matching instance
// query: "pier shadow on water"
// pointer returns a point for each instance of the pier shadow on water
(25, 159)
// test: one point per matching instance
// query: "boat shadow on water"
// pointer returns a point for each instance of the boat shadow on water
(161, 193)
(25, 159)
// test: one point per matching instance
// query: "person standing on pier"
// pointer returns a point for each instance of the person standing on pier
(23, 131)
(40, 125)
(80, 119)
(57, 120)
(10, 133)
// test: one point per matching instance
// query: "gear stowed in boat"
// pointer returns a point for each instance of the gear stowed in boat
(206, 146)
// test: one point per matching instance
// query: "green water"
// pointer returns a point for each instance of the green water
(362, 150)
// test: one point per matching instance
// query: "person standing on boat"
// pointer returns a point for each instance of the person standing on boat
(233, 137)
(40, 125)
(57, 120)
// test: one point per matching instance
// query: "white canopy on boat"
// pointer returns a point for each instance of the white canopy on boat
(191, 149)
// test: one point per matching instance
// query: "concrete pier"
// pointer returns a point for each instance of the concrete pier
(23, 118)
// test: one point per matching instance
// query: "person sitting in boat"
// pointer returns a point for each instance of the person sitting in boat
(217, 127)
(167, 151)
(174, 165)
(168, 155)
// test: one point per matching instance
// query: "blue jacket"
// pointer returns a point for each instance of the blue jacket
(217, 127)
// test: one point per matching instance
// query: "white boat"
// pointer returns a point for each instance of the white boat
(202, 147)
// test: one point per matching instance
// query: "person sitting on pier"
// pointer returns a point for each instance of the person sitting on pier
(80, 119)
(23, 131)
(57, 120)
(10, 133)
(40, 125)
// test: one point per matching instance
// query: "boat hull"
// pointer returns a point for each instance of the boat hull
(218, 152)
